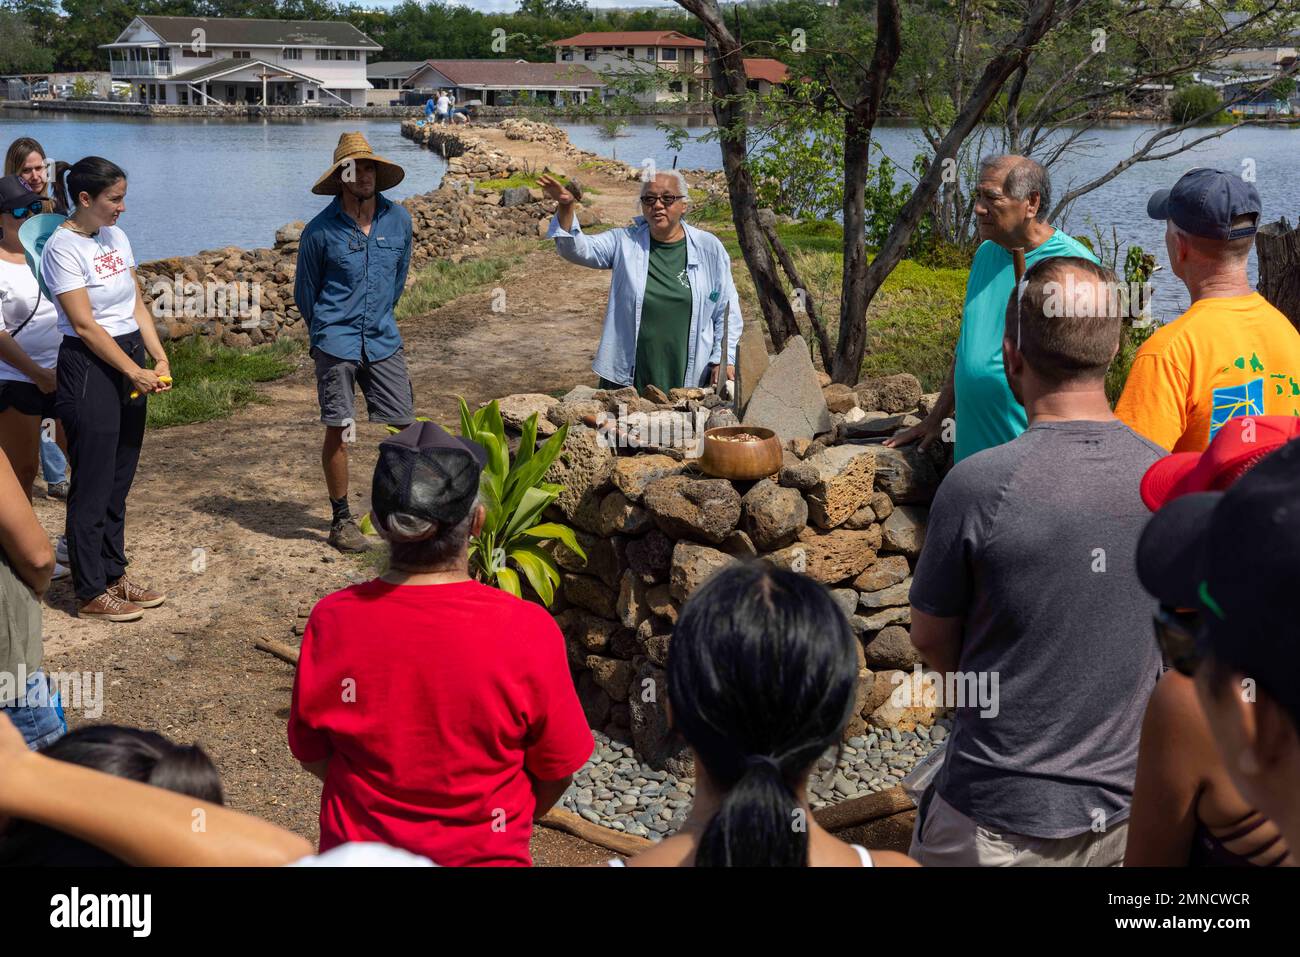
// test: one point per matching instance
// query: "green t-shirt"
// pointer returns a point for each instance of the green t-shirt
(987, 413)
(662, 342)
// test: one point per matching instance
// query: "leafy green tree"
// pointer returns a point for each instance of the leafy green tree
(1193, 101)
(19, 52)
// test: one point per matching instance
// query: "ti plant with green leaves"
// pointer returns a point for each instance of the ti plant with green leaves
(515, 496)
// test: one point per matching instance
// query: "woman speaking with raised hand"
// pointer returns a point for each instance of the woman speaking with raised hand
(103, 384)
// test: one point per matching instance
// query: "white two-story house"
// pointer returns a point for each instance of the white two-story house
(680, 60)
(631, 51)
(209, 60)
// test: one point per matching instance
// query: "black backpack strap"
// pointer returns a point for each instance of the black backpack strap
(23, 324)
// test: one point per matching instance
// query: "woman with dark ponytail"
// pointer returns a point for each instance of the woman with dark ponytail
(103, 382)
(762, 672)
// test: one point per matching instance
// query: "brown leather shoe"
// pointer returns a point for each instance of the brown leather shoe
(128, 591)
(347, 536)
(108, 607)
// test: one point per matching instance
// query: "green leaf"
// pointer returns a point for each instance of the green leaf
(539, 568)
(526, 515)
(498, 463)
(467, 429)
(527, 444)
(554, 531)
(508, 580)
(367, 525)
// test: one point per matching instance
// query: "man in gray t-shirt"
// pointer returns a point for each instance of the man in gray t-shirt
(1026, 587)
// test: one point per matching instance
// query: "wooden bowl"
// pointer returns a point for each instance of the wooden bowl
(741, 460)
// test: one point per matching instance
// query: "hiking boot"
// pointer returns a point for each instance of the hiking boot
(57, 490)
(108, 607)
(128, 591)
(347, 536)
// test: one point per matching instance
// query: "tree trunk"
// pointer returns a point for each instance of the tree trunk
(858, 125)
(726, 68)
(1278, 248)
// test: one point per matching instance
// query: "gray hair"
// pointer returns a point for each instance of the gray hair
(1024, 176)
(415, 542)
(683, 190)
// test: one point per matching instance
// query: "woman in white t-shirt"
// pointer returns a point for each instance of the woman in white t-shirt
(103, 383)
(29, 340)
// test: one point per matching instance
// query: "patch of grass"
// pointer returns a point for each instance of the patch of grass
(374, 560)
(497, 185)
(212, 381)
(519, 179)
(440, 283)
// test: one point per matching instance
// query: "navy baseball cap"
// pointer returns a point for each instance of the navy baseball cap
(1234, 557)
(1204, 202)
(427, 472)
(14, 194)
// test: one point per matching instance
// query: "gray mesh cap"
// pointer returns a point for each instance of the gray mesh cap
(427, 472)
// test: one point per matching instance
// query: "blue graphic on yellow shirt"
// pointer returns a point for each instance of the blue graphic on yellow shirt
(1234, 401)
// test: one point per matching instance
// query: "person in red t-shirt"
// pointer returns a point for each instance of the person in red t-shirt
(438, 711)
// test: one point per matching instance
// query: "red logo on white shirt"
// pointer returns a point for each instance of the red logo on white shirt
(109, 264)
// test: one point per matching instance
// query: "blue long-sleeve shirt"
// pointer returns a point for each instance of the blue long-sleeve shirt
(347, 283)
(626, 252)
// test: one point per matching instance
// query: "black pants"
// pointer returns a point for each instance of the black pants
(105, 429)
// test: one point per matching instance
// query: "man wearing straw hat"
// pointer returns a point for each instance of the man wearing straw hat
(352, 263)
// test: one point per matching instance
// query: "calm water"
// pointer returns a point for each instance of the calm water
(1272, 151)
(199, 183)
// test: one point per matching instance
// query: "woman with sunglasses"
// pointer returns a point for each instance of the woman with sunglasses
(25, 159)
(671, 293)
(29, 339)
(1186, 809)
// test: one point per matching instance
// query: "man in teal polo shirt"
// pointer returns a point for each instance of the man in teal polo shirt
(1011, 203)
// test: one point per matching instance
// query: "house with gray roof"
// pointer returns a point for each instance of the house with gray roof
(213, 60)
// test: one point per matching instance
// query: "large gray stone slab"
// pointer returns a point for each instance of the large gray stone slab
(788, 398)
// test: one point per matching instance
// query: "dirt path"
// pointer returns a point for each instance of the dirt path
(230, 518)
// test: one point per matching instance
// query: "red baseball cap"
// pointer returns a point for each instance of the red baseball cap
(1237, 447)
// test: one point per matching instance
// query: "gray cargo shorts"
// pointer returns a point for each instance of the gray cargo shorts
(385, 384)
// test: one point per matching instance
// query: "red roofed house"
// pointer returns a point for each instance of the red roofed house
(765, 73)
(669, 50)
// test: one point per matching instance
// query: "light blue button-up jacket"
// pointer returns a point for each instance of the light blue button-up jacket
(626, 251)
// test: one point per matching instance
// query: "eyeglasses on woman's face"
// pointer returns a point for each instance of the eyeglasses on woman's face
(667, 200)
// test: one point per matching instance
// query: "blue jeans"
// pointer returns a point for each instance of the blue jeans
(40, 717)
(53, 465)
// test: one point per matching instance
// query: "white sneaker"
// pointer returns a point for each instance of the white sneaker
(61, 551)
(61, 571)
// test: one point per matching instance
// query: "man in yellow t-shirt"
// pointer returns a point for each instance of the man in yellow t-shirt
(1231, 353)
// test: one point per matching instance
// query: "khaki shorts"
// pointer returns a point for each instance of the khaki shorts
(945, 837)
(385, 384)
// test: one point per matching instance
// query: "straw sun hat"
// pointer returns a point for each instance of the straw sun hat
(353, 146)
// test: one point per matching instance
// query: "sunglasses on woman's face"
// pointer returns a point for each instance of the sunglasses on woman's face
(1176, 634)
(22, 212)
(667, 200)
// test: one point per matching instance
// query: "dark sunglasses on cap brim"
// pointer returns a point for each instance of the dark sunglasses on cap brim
(22, 212)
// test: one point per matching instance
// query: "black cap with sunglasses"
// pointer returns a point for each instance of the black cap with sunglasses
(17, 200)
(1225, 567)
